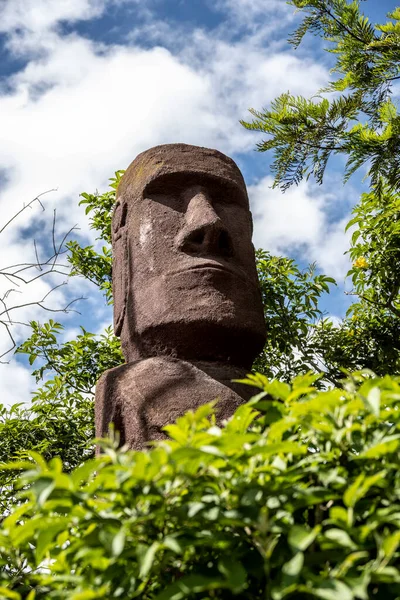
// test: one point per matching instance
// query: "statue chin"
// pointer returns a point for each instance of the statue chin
(196, 342)
(203, 314)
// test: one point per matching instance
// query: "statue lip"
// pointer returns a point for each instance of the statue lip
(216, 266)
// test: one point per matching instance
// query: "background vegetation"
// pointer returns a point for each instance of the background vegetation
(296, 500)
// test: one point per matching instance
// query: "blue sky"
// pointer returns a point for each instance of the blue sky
(85, 85)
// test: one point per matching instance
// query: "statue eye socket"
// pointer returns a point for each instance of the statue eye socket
(227, 194)
(166, 186)
(119, 217)
(167, 190)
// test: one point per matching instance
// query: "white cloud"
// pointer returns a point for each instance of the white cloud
(82, 110)
(248, 10)
(297, 222)
(245, 75)
(95, 120)
(16, 383)
(44, 14)
(286, 221)
(330, 250)
(41, 15)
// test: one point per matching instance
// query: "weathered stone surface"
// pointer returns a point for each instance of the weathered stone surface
(148, 394)
(187, 305)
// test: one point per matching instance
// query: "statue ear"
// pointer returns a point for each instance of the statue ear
(120, 271)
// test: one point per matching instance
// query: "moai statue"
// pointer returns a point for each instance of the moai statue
(187, 303)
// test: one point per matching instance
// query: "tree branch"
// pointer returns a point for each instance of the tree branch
(13, 274)
(342, 25)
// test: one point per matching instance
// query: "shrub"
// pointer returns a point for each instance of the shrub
(298, 496)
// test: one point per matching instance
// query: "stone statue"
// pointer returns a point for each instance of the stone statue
(187, 304)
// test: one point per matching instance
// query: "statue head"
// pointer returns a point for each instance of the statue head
(184, 275)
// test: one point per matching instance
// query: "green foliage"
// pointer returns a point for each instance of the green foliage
(59, 427)
(375, 318)
(100, 207)
(60, 420)
(301, 338)
(297, 497)
(375, 251)
(87, 261)
(94, 266)
(77, 363)
(291, 308)
(63, 429)
(361, 122)
(363, 341)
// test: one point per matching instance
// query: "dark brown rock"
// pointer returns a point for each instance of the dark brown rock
(151, 393)
(187, 305)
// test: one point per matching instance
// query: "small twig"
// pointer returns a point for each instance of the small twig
(74, 228)
(386, 305)
(53, 230)
(41, 274)
(5, 308)
(29, 205)
(9, 278)
(37, 257)
(56, 287)
(8, 323)
(8, 292)
(13, 342)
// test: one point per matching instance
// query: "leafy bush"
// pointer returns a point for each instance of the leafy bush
(298, 496)
(62, 427)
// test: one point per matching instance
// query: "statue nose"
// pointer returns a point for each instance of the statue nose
(204, 232)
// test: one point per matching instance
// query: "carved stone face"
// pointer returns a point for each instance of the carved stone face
(184, 275)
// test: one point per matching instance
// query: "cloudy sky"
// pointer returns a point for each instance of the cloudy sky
(85, 85)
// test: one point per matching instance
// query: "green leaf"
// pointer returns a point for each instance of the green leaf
(146, 559)
(118, 543)
(176, 433)
(42, 488)
(387, 445)
(341, 537)
(373, 401)
(360, 487)
(332, 590)
(87, 595)
(46, 537)
(189, 585)
(18, 512)
(300, 538)
(293, 567)
(279, 448)
(5, 593)
(390, 544)
(234, 572)
(338, 513)
(173, 544)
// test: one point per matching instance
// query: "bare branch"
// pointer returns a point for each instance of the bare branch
(19, 275)
(37, 257)
(53, 229)
(29, 205)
